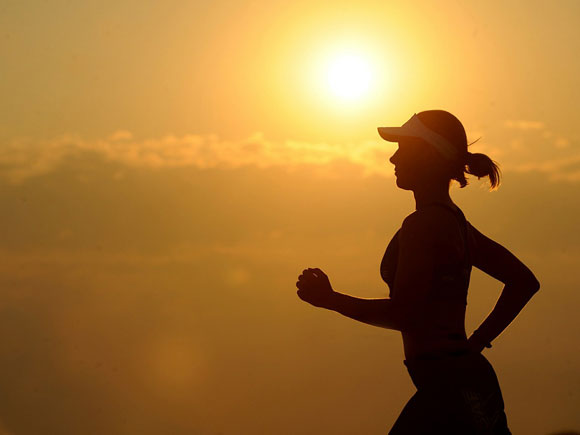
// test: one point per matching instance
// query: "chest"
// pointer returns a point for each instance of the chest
(450, 275)
(389, 262)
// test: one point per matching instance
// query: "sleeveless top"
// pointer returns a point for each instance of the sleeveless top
(450, 280)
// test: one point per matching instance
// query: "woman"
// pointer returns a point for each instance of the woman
(427, 266)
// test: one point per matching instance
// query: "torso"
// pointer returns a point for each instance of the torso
(448, 295)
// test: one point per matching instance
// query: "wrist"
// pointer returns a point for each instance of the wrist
(333, 301)
(478, 339)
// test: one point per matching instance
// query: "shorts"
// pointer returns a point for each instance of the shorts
(456, 394)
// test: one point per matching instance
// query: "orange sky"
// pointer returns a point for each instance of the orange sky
(168, 170)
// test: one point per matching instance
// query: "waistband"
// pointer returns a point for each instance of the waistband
(449, 370)
(436, 356)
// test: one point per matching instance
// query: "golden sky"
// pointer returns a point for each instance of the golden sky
(167, 169)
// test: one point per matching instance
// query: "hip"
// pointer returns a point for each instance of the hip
(456, 394)
(460, 369)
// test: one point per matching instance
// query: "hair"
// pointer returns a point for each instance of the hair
(478, 164)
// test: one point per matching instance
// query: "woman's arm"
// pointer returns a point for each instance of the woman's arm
(520, 285)
(380, 312)
(418, 247)
(314, 287)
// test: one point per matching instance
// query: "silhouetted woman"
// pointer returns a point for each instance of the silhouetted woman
(427, 266)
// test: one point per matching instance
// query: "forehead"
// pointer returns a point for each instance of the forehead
(411, 143)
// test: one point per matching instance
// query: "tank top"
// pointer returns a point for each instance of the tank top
(450, 281)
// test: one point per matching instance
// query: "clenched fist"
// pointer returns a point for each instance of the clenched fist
(314, 288)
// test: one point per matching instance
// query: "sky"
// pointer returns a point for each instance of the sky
(168, 169)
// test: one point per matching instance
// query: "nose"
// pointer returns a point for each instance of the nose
(394, 158)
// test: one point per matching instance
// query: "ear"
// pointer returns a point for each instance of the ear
(431, 151)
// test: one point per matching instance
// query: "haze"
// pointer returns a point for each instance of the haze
(167, 170)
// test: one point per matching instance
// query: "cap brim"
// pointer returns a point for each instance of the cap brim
(391, 134)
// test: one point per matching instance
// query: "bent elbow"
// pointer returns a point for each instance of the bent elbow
(526, 280)
(534, 285)
(530, 284)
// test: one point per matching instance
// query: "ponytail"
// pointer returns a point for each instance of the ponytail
(481, 165)
(450, 128)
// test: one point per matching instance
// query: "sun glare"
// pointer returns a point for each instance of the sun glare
(349, 76)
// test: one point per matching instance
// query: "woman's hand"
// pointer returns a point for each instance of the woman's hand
(314, 288)
(477, 345)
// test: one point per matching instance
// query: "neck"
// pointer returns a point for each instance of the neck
(430, 194)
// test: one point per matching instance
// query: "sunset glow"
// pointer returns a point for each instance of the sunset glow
(168, 169)
(349, 76)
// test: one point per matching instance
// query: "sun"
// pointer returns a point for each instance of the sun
(349, 76)
(346, 75)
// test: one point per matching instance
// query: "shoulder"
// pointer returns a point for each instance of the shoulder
(429, 226)
(430, 219)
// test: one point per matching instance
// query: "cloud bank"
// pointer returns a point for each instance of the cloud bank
(23, 159)
(525, 151)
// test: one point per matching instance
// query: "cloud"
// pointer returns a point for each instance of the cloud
(560, 169)
(23, 158)
(525, 125)
(525, 151)
(536, 128)
(531, 146)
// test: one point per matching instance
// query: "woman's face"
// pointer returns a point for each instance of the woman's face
(415, 163)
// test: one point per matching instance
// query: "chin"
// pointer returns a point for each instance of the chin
(403, 184)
